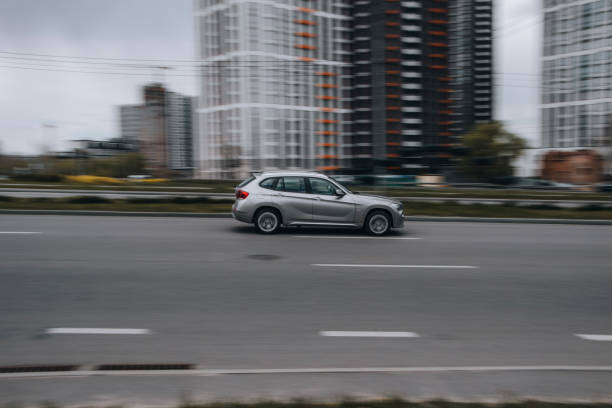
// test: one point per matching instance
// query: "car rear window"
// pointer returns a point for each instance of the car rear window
(269, 183)
(245, 182)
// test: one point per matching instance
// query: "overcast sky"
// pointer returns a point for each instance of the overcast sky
(81, 105)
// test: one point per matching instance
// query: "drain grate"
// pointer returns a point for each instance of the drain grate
(37, 368)
(145, 367)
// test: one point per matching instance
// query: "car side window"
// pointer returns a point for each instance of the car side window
(320, 186)
(269, 183)
(291, 184)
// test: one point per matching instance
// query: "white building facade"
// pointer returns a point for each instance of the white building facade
(275, 86)
(576, 105)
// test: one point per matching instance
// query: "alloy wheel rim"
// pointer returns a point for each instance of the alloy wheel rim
(379, 224)
(267, 221)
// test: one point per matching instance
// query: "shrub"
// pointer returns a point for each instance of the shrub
(43, 178)
(89, 200)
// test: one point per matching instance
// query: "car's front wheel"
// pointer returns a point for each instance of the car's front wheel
(267, 221)
(377, 223)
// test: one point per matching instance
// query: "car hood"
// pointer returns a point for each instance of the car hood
(370, 198)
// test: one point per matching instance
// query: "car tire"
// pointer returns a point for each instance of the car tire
(268, 221)
(377, 223)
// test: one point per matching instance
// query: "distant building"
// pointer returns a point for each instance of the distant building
(162, 128)
(576, 167)
(576, 108)
(471, 63)
(97, 148)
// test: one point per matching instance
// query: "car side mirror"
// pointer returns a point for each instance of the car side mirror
(340, 192)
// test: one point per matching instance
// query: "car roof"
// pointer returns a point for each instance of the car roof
(299, 173)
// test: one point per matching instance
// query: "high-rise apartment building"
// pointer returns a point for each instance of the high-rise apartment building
(162, 129)
(422, 73)
(471, 63)
(275, 86)
(576, 110)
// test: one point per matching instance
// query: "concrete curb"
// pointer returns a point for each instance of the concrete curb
(118, 213)
(228, 215)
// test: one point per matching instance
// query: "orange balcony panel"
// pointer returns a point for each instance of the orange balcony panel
(305, 47)
(438, 10)
(438, 33)
(437, 55)
(326, 133)
(437, 44)
(393, 132)
(393, 155)
(394, 120)
(438, 21)
(327, 156)
(328, 168)
(392, 11)
(326, 73)
(306, 59)
(326, 86)
(304, 34)
(444, 155)
(393, 72)
(392, 48)
(438, 66)
(394, 168)
(446, 123)
(445, 90)
(327, 109)
(445, 101)
(326, 97)
(392, 96)
(392, 36)
(392, 23)
(445, 134)
(394, 108)
(327, 121)
(445, 79)
(393, 144)
(446, 112)
(392, 84)
(393, 60)
(305, 22)
(306, 9)
(327, 144)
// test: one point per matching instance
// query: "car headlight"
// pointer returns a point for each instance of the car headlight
(399, 207)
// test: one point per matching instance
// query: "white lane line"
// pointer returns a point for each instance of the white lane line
(368, 334)
(395, 266)
(333, 237)
(595, 337)
(94, 330)
(324, 370)
(20, 232)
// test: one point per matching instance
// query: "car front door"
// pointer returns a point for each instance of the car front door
(328, 206)
(294, 199)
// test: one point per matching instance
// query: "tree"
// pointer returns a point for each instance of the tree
(489, 153)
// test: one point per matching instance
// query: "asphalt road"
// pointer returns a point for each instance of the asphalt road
(494, 298)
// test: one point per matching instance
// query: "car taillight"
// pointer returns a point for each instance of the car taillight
(241, 195)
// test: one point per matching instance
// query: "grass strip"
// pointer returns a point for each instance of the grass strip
(205, 204)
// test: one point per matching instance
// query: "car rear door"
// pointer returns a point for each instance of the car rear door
(329, 207)
(294, 199)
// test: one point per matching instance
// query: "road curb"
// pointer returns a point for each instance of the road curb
(118, 213)
(229, 215)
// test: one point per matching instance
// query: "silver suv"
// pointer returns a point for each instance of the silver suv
(274, 199)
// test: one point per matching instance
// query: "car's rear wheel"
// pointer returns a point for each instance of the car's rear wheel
(377, 223)
(267, 221)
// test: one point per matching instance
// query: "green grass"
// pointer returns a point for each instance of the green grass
(204, 204)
